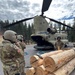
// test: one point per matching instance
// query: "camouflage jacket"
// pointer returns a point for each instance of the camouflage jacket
(21, 45)
(59, 45)
(10, 53)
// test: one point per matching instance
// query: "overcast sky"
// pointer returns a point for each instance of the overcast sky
(20, 9)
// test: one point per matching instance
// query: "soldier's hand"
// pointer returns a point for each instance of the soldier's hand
(17, 64)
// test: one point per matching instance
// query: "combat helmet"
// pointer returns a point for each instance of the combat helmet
(20, 37)
(10, 36)
(58, 37)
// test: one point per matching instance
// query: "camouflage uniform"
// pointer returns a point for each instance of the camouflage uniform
(59, 44)
(21, 45)
(9, 57)
(10, 54)
(21, 42)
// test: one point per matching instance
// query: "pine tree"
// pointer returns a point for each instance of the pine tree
(59, 26)
(25, 31)
(69, 35)
(29, 32)
(32, 28)
(63, 28)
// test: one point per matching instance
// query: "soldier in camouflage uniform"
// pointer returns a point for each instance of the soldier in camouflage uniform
(21, 44)
(59, 44)
(21, 41)
(10, 53)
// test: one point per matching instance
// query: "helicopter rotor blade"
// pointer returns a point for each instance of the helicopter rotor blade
(17, 22)
(59, 22)
(45, 5)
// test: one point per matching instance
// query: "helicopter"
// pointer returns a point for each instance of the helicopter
(44, 35)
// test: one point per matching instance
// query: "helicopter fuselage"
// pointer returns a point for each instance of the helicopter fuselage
(46, 41)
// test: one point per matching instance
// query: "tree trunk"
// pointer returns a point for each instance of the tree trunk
(36, 61)
(30, 71)
(66, 69)
(41, 70)
(54, 62)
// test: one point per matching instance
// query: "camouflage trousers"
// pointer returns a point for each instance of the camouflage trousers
(22, 67)
(11, 70)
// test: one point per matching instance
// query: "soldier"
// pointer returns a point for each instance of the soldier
(10, 53)
(21, 44)
(59, 44)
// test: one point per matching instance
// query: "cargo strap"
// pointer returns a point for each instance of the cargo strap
(39, 56)
(28, 67)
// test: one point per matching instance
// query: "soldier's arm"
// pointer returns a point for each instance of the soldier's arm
(63, 45)
(17, 50)
(55, 45)
(23, 45)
